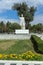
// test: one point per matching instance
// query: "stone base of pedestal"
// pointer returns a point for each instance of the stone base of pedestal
(20, 31)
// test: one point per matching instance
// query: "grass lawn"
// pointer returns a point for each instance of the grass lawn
(16, 46)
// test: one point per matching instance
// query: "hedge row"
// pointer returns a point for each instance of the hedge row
(38, 43)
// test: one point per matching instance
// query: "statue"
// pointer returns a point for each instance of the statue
(22, 22)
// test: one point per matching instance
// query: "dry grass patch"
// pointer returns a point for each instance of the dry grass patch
(4, 45)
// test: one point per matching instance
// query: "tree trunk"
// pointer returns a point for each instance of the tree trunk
(26, 25)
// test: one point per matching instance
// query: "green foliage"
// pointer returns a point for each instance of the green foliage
(12, 26)
(16, 26)
(38, 28)
(27, 12)
(2, 27)
(8, 27)
(38, 43)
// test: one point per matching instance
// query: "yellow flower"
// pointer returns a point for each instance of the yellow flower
(6, 56)
(33, 54)
(12, 55)
(1, 56)
(19, 55)
(22, 55)
(29, 56)
(16, 57)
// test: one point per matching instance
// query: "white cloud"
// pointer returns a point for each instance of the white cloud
(37, 19)
(36, 2)
(7, 4)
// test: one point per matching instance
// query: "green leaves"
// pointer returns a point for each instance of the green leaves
(9, 27)
(27, 12)
(38, 43)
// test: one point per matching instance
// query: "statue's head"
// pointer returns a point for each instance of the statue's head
(21, 15)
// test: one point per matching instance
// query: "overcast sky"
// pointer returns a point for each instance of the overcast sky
(7, 13)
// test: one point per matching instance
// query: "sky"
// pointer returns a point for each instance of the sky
(6, 11)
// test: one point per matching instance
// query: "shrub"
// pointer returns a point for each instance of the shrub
(38, 43)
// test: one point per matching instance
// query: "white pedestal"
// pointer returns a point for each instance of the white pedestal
(20, 31)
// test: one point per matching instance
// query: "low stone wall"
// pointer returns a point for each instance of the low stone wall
(18, 36)
(13, 36)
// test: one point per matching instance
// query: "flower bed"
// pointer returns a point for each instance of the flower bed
(25, 56)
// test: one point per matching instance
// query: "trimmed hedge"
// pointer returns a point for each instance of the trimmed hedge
(38, 43)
